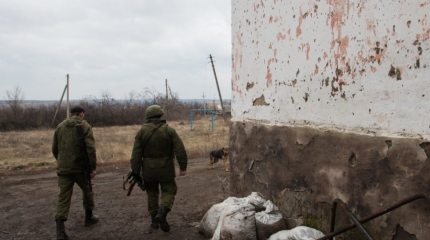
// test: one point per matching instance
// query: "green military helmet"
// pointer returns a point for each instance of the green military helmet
(153, 111)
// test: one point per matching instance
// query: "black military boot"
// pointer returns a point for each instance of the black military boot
(160, 218)
(61, 230)
(90, 219)
(154, 224)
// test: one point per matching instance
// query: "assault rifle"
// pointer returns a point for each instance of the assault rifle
(83, 155)
(130, 180)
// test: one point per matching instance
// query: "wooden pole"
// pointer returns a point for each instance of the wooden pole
(59, 104)
(204, 103)
(216, 80)
(171, 95)
(166, 102)
(68, 88)
(167, 95)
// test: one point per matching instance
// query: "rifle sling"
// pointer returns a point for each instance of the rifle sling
(83, 129)
(144, 145)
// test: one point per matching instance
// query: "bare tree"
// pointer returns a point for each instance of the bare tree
(150, 94)
(15, 98)
(130, 98)
(103, 110)
(107, 98)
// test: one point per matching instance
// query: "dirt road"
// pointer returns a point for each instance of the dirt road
(28, 203)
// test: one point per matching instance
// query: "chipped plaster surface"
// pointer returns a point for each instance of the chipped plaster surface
(360, 65)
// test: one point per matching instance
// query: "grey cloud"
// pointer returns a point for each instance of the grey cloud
(118, 46)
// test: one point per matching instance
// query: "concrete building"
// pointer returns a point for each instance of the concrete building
(331, 99)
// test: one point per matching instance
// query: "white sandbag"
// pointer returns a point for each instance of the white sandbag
(237, 222)
(269, 222)
(257, 200)
(234, 218)
(297, 233)
(235, 201)
(210, 221)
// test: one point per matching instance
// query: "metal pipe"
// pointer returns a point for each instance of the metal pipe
(350, 215)
(200, 110)
(377, 214)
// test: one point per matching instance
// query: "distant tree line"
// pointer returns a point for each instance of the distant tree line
(16, 114)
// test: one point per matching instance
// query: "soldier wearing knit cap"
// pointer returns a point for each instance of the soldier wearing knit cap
(65, 148)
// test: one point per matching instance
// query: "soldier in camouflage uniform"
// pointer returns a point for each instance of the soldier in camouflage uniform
(155, 147)
(65, 149)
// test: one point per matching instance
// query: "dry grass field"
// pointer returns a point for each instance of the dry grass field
(31, 150)
(27, 176)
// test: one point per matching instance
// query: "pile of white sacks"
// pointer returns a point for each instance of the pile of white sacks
(251, 218)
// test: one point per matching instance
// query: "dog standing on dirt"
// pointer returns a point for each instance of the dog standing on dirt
(217, 155)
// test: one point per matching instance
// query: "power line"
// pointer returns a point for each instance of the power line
(197, 71)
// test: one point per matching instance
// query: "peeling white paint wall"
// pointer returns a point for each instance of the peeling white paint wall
(358, 65)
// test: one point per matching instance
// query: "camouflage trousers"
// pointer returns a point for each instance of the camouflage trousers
(66, 183)
(168, 192)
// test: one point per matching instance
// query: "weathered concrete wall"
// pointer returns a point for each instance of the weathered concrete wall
(350, 64)
(330, 100)
(304, 169)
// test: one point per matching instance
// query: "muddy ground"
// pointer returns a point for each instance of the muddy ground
(28, 203)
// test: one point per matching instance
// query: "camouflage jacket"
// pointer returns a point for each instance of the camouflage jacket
(65, 146)
(156, 159)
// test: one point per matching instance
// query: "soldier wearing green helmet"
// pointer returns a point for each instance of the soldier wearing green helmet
(155, 147)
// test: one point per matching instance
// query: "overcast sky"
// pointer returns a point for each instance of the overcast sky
(114, 46)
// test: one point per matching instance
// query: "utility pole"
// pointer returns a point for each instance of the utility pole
(166, 100)
(68, 88)
(59, 105)
(171, 95)
(216, 80)
(204, 103)
(167, 95)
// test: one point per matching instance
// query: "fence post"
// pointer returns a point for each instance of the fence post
(191, 120)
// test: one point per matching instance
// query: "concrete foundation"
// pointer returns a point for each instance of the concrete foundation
(303, 169)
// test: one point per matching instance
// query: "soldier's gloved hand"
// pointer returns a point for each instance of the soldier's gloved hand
(142, 186)
(137, 177)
